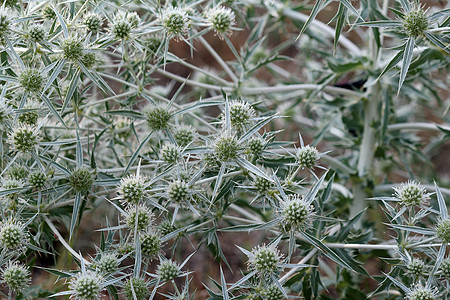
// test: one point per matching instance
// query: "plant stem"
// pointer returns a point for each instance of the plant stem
(291, 272)
(63, 242)
(219, 59)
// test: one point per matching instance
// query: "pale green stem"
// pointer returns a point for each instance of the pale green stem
(291, 272)
(63, 242)
(219, 59)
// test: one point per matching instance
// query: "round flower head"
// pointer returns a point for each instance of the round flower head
(73, 48)
(221, 19)
(31, 80)
(170, 153)
(262, 185)
(18, 172)
(175, 20)
(421, 293)
(241, 113)
(411, 194)
(121, 29)
(443, 230)
(157, 117)
(150, 244)
(24, 138)
(5, 21)
(445, 268)
(13, 235)
(307, 157)
(416, 267)
(140, 213)
(273, 292)
(265, 260)
(10, 184)
(255, 146)
(48, 13)
(81, 179)
(415, 22)
(184, 135)
(37, 33)
(93, 22)
(168, 270)
(166, 227)
(86, 286)
(108, 263)
(132, 189)
(29, 117)
(178, 191)
(134, 19)
(16, 276)
(89, 59)
(226, 148)
(295, 213)
(136, 289)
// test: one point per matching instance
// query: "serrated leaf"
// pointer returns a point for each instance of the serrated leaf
(441, 201)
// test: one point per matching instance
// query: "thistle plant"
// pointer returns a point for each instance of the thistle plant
(272, 149)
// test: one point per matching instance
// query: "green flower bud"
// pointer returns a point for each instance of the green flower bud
(18, 172)
(143, 215)
(150, 244)
(16, 276)
(221, 19)
(48, 13)
(24, 138)
(262, 185)
(31, 80)
(445, 268)
(415, 22)
(184, 135)
(170, 153)
(421, 293)
(411, 194)
(86, 286)
(416, 267)
(132, 189)
(37, 180)
(121, 29)
(136, 289)
(265, 260)
(273, 293)
(108, 263)
(93, 22)
(178, 191)
(73, 48)
(226, 148)
(443, 230)
(30, 117)
(13, 235)
(241, 113)
(175, 20)
(157, 117)
(37, 33)
(81, 179)
(168, 270)
(255, 146)
(307, 157)
(296, 214)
